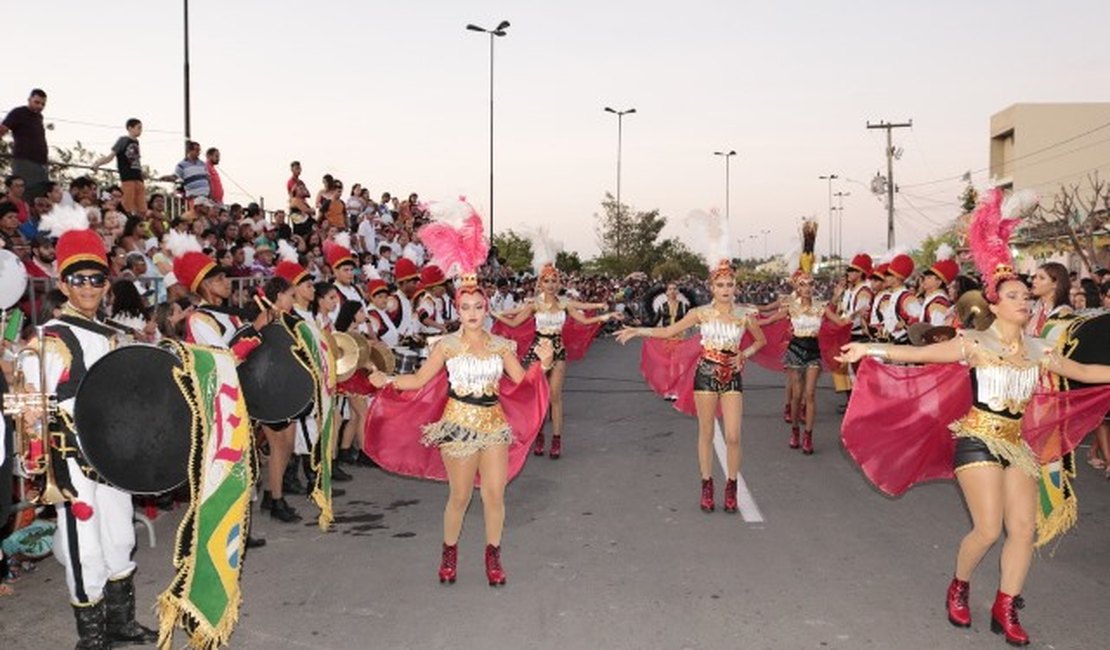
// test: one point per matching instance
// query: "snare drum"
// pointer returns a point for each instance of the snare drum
(408, 360)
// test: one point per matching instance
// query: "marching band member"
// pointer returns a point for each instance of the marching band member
(428, 301)
(716, 383)
(399, 306)
(95, 537)
(338, 254)
(935, 304)
(380, 323)
(478, 407)
(854, 299)
(901, 308)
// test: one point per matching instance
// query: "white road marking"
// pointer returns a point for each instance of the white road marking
(749, 511)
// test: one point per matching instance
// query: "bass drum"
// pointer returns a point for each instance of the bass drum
(1086, 340)
(13, 279)
(277, 385)
(134, 424)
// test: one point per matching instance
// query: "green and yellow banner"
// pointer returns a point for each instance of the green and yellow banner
(204, 596)
(316, 348)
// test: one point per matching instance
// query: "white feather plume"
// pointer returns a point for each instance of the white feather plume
(1020, 204)
(63, 219)
(544, 248)
(711, 236)
(945, 252)
(179, 243)
(452, 213)
(286, 252)
(343, 238)
(370, 272)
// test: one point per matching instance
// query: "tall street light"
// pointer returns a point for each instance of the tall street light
(765, 233)
(830, 178)
(840, 224)
(188, 130)
(726, 155)
(497, 31)
(620, 134)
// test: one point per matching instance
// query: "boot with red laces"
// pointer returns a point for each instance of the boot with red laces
(494, 572)
(730, 495)
(537, 448)
(448, 565)
(1004, 619)
(556, 447)
(795, 438)
(807, 443)
(707, 494)
(959, 614)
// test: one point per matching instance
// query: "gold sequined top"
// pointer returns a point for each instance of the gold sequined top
(718, 333)
(805, 321)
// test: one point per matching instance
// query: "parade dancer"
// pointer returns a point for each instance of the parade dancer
(549, 311)
(997, 448)
(95, 537)
(485, 423)
(802, 359)
(715, 385)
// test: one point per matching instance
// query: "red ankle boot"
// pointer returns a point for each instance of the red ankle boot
(494, 571)
(447, 566)
(786, 414)
(795, 438)
(556, 447)
(956, 601)
(537, 448)
(730, 495)
(807, 443)
(707, 494)
(1004, 619)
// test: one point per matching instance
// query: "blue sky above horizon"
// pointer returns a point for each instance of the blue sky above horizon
(395, 96)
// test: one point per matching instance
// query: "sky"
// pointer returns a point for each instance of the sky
(395, 95)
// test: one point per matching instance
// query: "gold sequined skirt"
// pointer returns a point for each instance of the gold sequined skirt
(1001, 435)
(466, 429)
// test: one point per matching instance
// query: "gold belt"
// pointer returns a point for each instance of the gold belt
(989, 425)
(723, 357)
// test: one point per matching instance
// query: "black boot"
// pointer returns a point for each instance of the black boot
(282, 511)
(91, 627)
(290, 484)
(339, 474)
(348, 456)
(363, 460)
(122, 627)
(267, 501)
(309, 475)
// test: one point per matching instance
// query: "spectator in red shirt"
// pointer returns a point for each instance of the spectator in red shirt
(16, 190)
(291, 184)
(217, 187)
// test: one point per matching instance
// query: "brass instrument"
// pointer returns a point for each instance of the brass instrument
(32, 443)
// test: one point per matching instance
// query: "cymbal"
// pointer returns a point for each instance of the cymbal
(346, 355)
(381, 357)
(925, 334)
(972, 310)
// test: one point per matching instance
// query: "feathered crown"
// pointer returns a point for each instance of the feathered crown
(456, 241)
(989, 233)
(544, 251)
(711, 238)
(286, 252)
(179, 243)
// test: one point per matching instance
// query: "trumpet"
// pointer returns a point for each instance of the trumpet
(32, 439)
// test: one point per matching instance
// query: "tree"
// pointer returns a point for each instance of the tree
(568, 262)
(1077, 220)
(627, 238)
(515, 248)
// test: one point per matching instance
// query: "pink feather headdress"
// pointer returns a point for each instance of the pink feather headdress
(456, 241)
(988, 236)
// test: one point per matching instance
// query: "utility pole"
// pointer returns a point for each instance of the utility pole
(188, 129)
(830, 178)
(890, 126)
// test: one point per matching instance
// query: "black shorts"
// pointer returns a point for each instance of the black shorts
(802, 352)
(711, 377)
(556, 342)
(973, 451)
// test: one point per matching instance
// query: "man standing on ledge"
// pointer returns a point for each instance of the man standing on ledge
(29, 152)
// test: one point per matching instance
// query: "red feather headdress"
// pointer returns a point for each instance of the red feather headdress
(456, 241)
(989, 234)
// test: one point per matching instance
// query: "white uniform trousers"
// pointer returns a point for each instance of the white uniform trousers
(98, 549)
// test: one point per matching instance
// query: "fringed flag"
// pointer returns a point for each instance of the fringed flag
(204, 596)
(315, 347)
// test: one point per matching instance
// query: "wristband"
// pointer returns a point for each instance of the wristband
(878, 351)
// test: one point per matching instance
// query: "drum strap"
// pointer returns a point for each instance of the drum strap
(67, 388)
(90, 325)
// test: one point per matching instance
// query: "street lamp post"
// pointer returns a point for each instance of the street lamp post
(765, 233)
(840, 223)
(497, 31)
(620, 134)
(729, 154)
(830, 178)
(188, 130)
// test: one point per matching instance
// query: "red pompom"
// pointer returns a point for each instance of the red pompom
(81, 510)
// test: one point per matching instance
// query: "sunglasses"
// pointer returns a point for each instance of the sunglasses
(95, 280)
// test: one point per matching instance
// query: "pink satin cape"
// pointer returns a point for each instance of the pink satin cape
(393, 425)
(896, 426)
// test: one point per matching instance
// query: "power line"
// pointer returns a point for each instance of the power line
(108, 126)
(1021, 157)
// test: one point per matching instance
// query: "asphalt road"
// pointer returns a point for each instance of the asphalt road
(606, 548)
